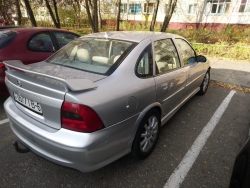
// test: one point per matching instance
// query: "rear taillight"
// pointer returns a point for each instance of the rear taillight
(80, 118)
(1, 65)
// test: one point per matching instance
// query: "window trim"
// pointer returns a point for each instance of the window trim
(184, 65)
(151, 73)
(52, 40)
(218, 3)
(195, 10)
(156, 73)
(247, 3)
(137, 13)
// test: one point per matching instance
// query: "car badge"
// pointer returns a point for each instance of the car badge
(18, 83)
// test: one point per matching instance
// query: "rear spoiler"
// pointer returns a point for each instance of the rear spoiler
(70, 84)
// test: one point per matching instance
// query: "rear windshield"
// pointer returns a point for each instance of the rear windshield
(6, 37)
(101, 56)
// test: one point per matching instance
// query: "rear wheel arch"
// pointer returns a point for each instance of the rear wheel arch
(152, 106)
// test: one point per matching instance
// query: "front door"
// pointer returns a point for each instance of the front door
(170, 76)
(194, 70)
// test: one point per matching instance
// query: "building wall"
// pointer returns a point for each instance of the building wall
(203, 15)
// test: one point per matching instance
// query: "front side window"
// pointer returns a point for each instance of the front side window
(134, 8)
(144, 65)
(192, 8)
(41, 42)
(95, 55)
(244, 6)
(187, 52)
(166, 56)
(64, 38)
(219, 6)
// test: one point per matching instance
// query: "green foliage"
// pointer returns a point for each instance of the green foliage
(237, 51)
(229, 42)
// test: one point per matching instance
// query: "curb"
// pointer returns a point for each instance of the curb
(240, 86)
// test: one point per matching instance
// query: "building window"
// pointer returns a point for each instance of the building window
(148, 8)
(192, 8)
(134, 8)
(245, 6)
(219, 6)
(124, 8)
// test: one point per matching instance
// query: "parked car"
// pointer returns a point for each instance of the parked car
(30, 45)
(102, 96)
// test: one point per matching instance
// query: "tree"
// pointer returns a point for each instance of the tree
(19, 13)
(170, 9)
(5, 6)
(152, 25)
(55, 18)
(30, 13)
(92, 12)
(118, 15)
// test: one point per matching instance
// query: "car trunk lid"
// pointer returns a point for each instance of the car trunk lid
(38, 89)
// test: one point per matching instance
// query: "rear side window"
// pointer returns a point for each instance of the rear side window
(6, 37)
(144, 66)
(41, 42)
(64, 38)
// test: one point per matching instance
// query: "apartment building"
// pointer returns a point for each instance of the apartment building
(209, 13)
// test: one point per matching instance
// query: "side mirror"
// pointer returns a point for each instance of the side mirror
(201, 58)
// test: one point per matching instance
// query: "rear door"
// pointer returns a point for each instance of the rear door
(195, 70)
(170, 76)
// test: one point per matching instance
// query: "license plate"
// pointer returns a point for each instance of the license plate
(31, 104)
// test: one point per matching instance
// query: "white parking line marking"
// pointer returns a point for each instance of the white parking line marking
(187, 162)
(4, 121)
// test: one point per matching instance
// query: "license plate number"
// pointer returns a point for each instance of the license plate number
(31, 104)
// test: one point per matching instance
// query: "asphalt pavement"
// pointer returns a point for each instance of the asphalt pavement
(212, 166)
(236, 73)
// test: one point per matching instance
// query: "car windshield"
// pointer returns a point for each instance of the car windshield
(96, 55)
(6, 37)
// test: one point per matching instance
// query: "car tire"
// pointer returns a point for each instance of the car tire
(205, 83)
(147, 135)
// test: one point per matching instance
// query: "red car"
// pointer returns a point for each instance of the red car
(29, 45)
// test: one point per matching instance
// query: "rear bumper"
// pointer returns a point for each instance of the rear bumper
(3, 91)
(82, 151)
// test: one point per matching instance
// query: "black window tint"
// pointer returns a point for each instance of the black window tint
(144, 65)
(6, 37)
(64, 38)
(187, 52)
(41, 43)
(166, 57)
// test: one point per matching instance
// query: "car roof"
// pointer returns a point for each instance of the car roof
(134, 36)
(34, 29)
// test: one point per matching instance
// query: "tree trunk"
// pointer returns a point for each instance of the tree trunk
(30, 12)
(152, 25)
(118, 15)
(169, 13)
(93, 15)
(100, 16)
(96, 15)
(52, 14)
(57, 16)
(19, 13)
(89, 16)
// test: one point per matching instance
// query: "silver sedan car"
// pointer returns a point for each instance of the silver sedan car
(102, 96)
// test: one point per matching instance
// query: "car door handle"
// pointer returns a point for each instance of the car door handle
(189, 75)
(164, 87)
